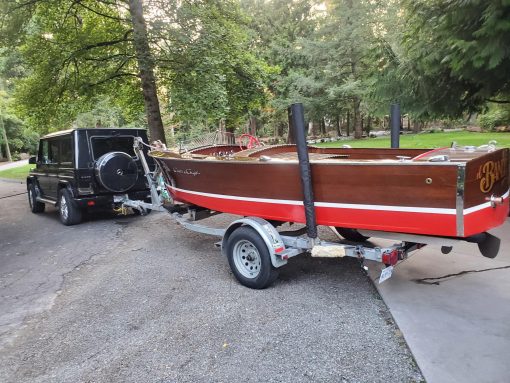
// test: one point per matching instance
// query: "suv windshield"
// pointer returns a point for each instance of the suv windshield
(103, 145)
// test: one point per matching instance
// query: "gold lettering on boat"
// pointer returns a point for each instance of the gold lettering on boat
(491, 172)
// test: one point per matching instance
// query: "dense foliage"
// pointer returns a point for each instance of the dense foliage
(239, 64)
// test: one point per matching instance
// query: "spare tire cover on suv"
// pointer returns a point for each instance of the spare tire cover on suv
(116, 171)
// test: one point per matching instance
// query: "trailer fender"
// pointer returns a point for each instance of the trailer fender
(268, 233)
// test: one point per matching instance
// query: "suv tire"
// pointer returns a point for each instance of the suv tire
(70, 213)
(33, 192)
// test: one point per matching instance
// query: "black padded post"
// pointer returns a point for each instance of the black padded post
(395, 125)
(297, 119)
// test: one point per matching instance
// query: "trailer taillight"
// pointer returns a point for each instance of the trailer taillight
(390, 257)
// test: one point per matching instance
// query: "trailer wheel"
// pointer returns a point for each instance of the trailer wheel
(351, 234)
(249, 258)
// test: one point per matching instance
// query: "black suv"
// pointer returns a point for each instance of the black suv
(80, 169)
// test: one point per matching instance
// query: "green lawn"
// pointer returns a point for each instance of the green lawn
(427, 140)
(19, 173)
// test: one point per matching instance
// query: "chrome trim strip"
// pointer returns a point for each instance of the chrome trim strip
(75, 144)
(459, 201)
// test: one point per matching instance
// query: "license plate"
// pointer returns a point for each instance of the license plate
(386, 274)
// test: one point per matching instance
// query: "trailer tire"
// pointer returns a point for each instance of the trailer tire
(351, 234)
(249, 259)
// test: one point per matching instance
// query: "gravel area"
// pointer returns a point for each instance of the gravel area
(158, 304)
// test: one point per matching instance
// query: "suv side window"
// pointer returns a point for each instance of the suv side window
(43, 153)
(66, 151)
(53, 152)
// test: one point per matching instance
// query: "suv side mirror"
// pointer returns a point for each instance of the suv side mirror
(32, 160)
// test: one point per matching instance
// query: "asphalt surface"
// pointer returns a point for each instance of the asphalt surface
(14, 164)
(140, 299)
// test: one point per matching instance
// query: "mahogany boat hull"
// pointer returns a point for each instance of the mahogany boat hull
(431, 198)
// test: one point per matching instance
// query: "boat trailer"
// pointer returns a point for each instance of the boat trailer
(255, 249)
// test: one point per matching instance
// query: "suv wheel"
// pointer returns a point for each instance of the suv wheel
(70, 214)
(35, 206)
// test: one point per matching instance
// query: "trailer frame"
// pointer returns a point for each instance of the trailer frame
(280, 246)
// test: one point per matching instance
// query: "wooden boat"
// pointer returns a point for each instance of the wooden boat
(451, 192)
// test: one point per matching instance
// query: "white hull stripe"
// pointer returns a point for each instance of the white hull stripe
(484, 205)
(409, 209)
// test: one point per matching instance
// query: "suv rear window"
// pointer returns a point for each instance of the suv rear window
(103, 145)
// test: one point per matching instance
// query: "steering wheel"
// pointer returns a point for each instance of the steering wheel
(252, 141)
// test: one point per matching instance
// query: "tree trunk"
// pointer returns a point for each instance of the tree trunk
(146, 69)
(252, 126)
(322, 125)
(291, 136)
(369, 124)
(417, 126)
(356, 119)
(4, 134)
(348, 122)
(280, 130)
(338, 126)
(314, 129)
(221, 126)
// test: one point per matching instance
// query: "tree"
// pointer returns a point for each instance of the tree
(279, 29)
(463, 48)
(77, 50)
(328, 54)
(146, 70)
(82, 51)
(13, 134)
(206, 64)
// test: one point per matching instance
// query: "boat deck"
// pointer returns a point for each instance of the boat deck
(278, 153)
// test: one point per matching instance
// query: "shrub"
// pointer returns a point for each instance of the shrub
(493, 118)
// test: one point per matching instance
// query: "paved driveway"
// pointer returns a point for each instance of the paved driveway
(14, 164)
(454, 311)
(140, 299)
